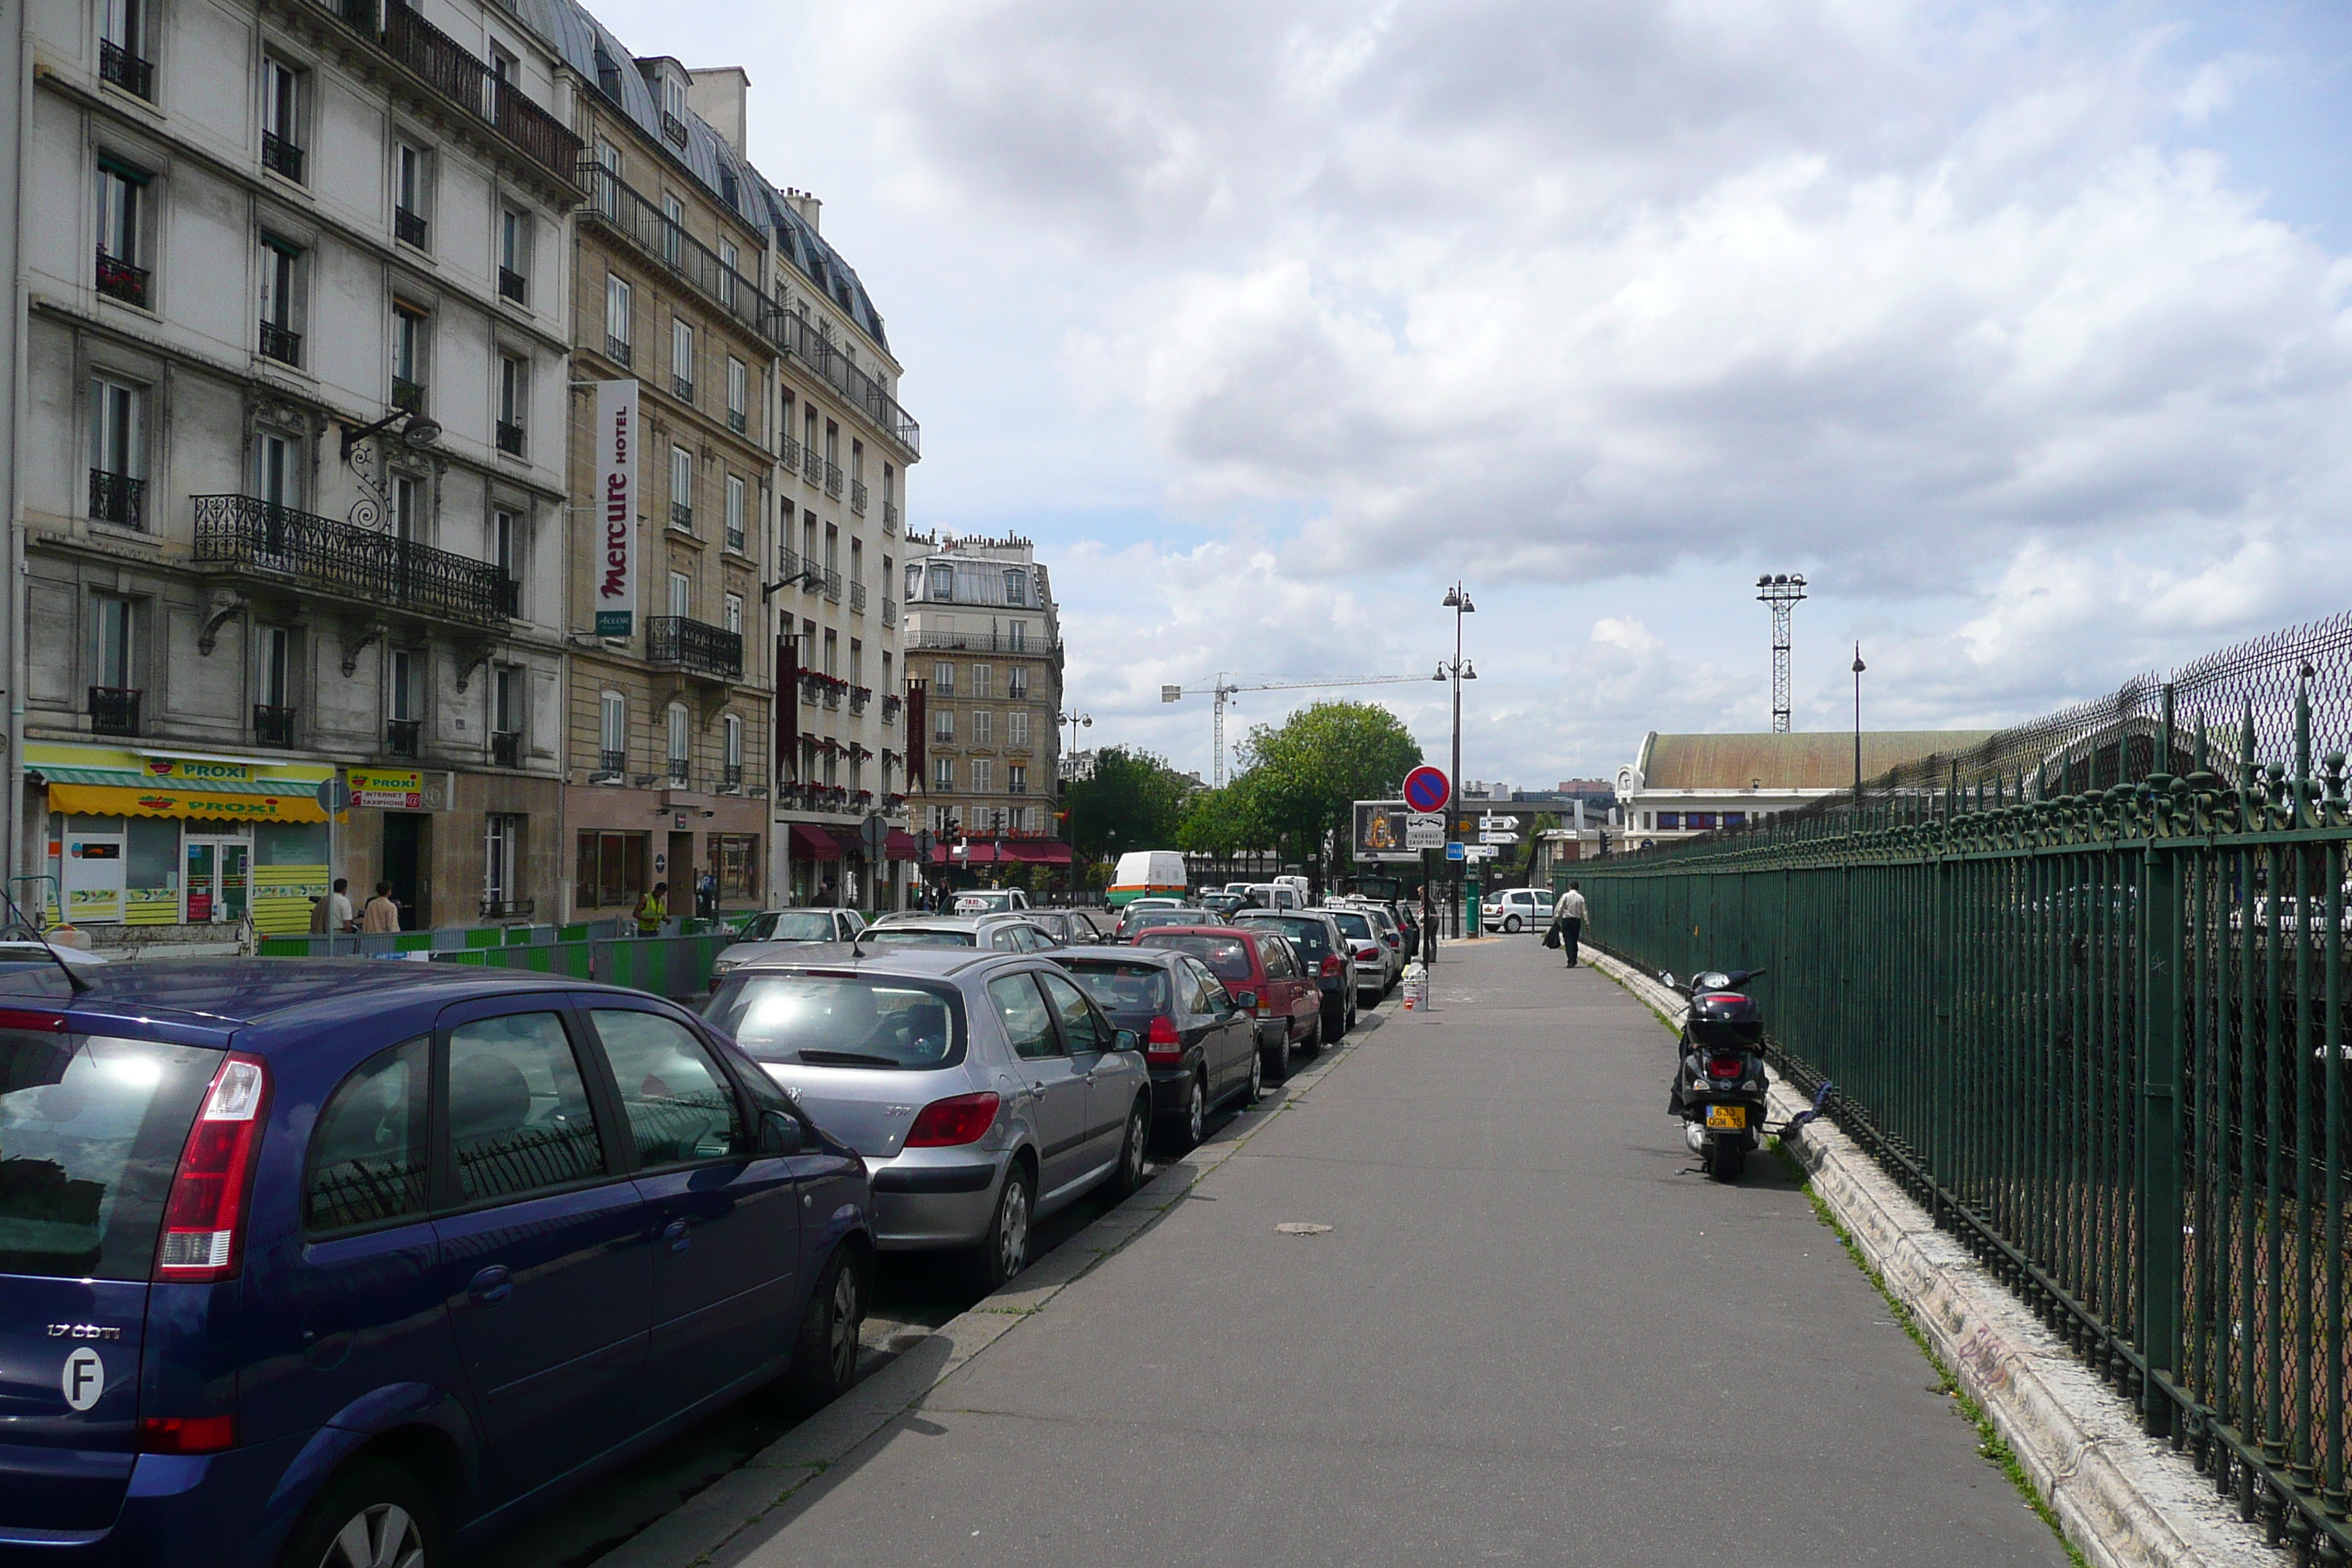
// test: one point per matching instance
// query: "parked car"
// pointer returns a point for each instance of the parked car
(1392, 933)
(780, 928)
(1377, 965)
(1138, 917)
(1066, 926)
(1199, 1039)
(258, 1298)
(1221, 903)
(990, 900)
(1289, 1002)
(997, 932)
(1517, 910)
(1326, 953)
(983, 1088)
(1273, 896)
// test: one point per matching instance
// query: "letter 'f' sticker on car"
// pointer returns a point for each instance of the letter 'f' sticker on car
(84, 1378)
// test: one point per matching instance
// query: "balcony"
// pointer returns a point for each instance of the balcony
(890, 706)
(833, 694)
(509, 908)
(673, 129)
(408, 228)
(611, 765)
(858, 598)
(613, 204)
(788, 452)
(681, 387)
(118, 499)
(731, 781)
(736, 542)
(513, 285)
(617, 350)
(695, 647)
(467, 83)
(272, 726)
(812, 464)
(408, 394)
(890, 612)
(681, 516)
(118, 279)
(858, 497)
(737, 421)
(506, 748)
(403, 738)
(807, 342)
(510, 439)
(859, 696)
(250, 538)
(833, 586)
(985, 642)
(889, 517)
(281, 155)
(277, 344)
(125, 69)
(679, 771)
(833, 480)
(113, 710)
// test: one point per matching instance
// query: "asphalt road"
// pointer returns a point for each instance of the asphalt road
(1532, 1333)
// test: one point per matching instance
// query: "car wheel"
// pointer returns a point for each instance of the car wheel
(1258, 1079)
(1512, 925)
(1274, 1057)
(1005, 1251)
(1129, 1175)
(824, 1362)
(1313, 1045)
(1332, 1022)
(376, 1514)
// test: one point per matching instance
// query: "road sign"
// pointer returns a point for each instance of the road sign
(1498, 835)
(1427, 788)
(1492, 821)
(1479, 851)
(1425, 832)
(876, 831)
(1454, 852)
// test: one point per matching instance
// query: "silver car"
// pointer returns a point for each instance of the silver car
(984, 1090)
(772, 930)
(1377, 964)
(1001, 933)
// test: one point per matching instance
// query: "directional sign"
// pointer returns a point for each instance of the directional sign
(1427, 789)
(1492, 821)
(1479, 851)
(1427, 832)
(1495, 836)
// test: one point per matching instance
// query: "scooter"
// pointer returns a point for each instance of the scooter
(1719, 1077)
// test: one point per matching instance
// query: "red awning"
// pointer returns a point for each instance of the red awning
(974, 855)
(902, 845)
(1038, 852)
(813, 843)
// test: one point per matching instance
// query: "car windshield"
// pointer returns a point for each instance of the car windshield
(846, 1021)
(90, 1132)
(1312, 935)
(789, 925)
(918, 936)
(1121, 988)
(1227, 956)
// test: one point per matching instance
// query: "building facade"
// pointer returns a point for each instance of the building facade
(292, 485)
(984, 645)
(1680, 786)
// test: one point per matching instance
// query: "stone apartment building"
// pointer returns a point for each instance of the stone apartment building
(291, 471)
(985, 645)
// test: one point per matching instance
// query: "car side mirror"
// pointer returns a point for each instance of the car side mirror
(1127, 1040)
(1246, 1001)
(781, 1132)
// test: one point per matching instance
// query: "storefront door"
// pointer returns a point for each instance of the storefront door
(220, 878)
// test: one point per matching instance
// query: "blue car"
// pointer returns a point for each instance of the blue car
(341, 1262)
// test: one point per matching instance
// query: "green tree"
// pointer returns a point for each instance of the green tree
(1300, 781)
(1134, 800)
(1218, 822)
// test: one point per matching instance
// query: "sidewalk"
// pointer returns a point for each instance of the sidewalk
(1529, 1335)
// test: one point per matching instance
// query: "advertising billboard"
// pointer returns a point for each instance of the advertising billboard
(1382, 828)
(616, 508)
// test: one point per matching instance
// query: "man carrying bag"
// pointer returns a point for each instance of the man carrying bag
(1567, 924)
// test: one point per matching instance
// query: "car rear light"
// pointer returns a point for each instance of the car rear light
(1723, 1067)
(1163, 1046)
(1333, 967)
(959, 1119)
(17, 1018)
(204, 1220)
(186, 1434)
(1368, 954)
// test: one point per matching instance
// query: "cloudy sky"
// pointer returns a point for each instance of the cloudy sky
(2024, 330)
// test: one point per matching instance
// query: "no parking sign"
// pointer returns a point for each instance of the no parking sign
(1427, 789)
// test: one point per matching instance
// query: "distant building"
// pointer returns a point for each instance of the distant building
(1683, 785)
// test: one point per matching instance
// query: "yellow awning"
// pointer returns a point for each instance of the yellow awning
(122, 800)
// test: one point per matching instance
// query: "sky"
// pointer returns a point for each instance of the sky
(2024, 331)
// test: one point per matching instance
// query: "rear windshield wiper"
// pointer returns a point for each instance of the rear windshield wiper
(847, 1059)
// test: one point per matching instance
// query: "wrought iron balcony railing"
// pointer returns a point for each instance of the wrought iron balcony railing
(858, 497)
(403, 737)
(858, 598)
(737, 421)
(513, 285)
(125, 69)
(467, 83)
(272, 726)
(506, 748)
(509, 908)
(859, 696)
(681, 516)
(408, 228)
(617, 350)
(680, 771)
(889, 517)
(985, 642)
(408, 394)
(812, 464)
(118, 499)
(833, 586)
(890, 612)
(832, 362)
(731, 779)
(611, 765)
(279, 343)
(788, 451)
(890, 706)
(119, 279)
(281, 155)
(736, 542)
(113, 710)
(833, 480)
(681, 387)
(694, 646)
(510, 438)
(253, 537)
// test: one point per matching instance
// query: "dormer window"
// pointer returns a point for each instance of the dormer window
(942, 583)
(673, 97)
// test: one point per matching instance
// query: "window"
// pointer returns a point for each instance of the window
(731, 737)
(411, 189)
(737, 381)
(857, 561)
(617, 307)
(673, 229)
(731, 616)
(736, 540)
(681, 360)
(1083, 1030)
(118, 464)
(943, 725)
(610, 870)
(738, 855)
(983, 728)
(943, 680)
(110, 666)
(121, 209)
(408, 508)
(831, 548)
(513, 398)
(281, 108)
(1016, 778)
(514, 255)
(612, 734)
(1670, 819)
(1016, 683)
(122, 46)
(1016, 586)
(832, 652)
(857, 662)
(502, 835)
(520, 1119)
(730, 262)
(506, 700)
(984, 682)
(608, 178)
(679, 1107)
(408, 358)
(1016, 728)
(1027, 1024)
(403, 678)
(282, 274)
(681, 488)
(1020, 813)
(367, 1152)
(944, 772)
(983, 775)
(679, 737)
(506, 542)
(278, 469)
(942, 583)
(681, 594)
(1018, 635)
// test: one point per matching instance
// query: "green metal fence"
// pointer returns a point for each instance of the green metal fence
(2084, 993)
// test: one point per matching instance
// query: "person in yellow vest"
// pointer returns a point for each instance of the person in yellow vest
(652, 909)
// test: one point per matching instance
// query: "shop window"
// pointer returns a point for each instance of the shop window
(1670, 819)
(610, 870)
(735, 857)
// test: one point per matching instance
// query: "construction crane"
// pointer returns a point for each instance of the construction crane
(1226, 685)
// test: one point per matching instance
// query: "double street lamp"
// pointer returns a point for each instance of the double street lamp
(1458, 599)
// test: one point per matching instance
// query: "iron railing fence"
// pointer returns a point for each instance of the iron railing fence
(2084, 991)
(694, 646)
(254, 537)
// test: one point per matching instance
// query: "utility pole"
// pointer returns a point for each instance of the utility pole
(1781, 590)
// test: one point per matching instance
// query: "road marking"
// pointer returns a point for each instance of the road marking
(1299, 1227)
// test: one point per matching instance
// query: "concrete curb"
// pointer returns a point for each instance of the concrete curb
(701, 1527)
(2125, 1499)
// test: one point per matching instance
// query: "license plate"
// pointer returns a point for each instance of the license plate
(1733, 1117)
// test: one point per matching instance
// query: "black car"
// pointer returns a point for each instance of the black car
(1199, 1040)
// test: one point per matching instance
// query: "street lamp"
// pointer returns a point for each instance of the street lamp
(1858, 667)
(1458, 599)
(1074, 720)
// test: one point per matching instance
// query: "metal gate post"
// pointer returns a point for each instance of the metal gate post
(2160, 1002)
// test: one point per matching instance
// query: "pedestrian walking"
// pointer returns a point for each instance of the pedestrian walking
(383, 911)
(1567, 924)
(653, 909)
(340, 915)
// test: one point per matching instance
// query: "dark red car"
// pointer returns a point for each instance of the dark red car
(1260, 964)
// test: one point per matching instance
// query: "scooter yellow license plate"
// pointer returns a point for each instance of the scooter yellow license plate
(1734, 1116)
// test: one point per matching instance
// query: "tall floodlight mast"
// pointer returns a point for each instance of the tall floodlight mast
(1782, 590)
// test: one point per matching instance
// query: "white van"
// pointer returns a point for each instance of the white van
(1147, 873)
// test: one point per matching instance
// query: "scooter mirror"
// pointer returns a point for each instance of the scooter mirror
(1666, 979)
